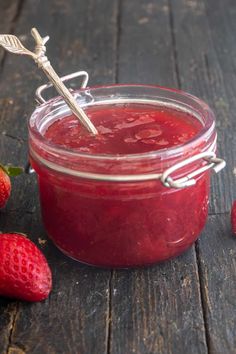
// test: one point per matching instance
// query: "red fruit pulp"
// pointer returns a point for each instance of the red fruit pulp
(125, 129)
(115, 223)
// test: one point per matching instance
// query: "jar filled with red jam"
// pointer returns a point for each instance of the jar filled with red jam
(135, 194)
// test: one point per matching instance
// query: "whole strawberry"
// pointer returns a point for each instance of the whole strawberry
(5, 183)
(5, 187)
(233, 217)
(24, 271)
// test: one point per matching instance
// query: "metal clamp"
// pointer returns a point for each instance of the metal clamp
(38, 94)
(214, 163)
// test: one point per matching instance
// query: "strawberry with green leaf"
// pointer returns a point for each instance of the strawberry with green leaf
(5, 183)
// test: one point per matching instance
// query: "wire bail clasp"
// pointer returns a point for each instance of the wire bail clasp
(213, 162)
(40, 90)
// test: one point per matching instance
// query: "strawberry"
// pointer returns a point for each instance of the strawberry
(233, 217)
(5, 187)
(5, 183)
(24, 271)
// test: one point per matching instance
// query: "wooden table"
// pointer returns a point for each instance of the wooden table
(187, 305)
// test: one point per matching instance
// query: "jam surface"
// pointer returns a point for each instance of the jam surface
(122, 224)
(125, 129)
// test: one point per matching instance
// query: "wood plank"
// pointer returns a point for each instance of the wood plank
(150, 59)
(154, 310)
(9, 10)
(221, 18)
(206, 73)
(217, 254)
(157, 310)
(75, 318)
(207, 67)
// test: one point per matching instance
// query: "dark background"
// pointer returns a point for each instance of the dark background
(187, 305)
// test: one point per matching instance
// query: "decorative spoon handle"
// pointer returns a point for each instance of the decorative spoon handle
(12, 44)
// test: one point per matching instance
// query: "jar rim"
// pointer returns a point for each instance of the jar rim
(164, 153)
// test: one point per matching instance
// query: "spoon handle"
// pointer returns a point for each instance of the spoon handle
(68, 97)
(13, 44)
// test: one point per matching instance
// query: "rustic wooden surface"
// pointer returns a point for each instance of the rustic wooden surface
(187, 305)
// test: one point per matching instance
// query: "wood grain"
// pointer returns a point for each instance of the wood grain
(217, 254)
(150, 59)
(9, 10)
(206, 60)
(157, 310)
(75, 317)
(187, 304)
(199, 39)
(221, 19)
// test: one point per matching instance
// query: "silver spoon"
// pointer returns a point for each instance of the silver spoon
(13, 44)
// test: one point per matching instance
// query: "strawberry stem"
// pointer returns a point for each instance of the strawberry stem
(12, 171)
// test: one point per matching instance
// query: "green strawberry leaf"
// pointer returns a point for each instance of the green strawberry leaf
(12, 171)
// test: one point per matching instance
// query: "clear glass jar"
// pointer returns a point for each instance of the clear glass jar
(124, 210)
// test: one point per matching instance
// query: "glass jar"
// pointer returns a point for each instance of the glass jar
(124, 210)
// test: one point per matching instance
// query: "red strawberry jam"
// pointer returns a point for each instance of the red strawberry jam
(125, 129)
(118, 223)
